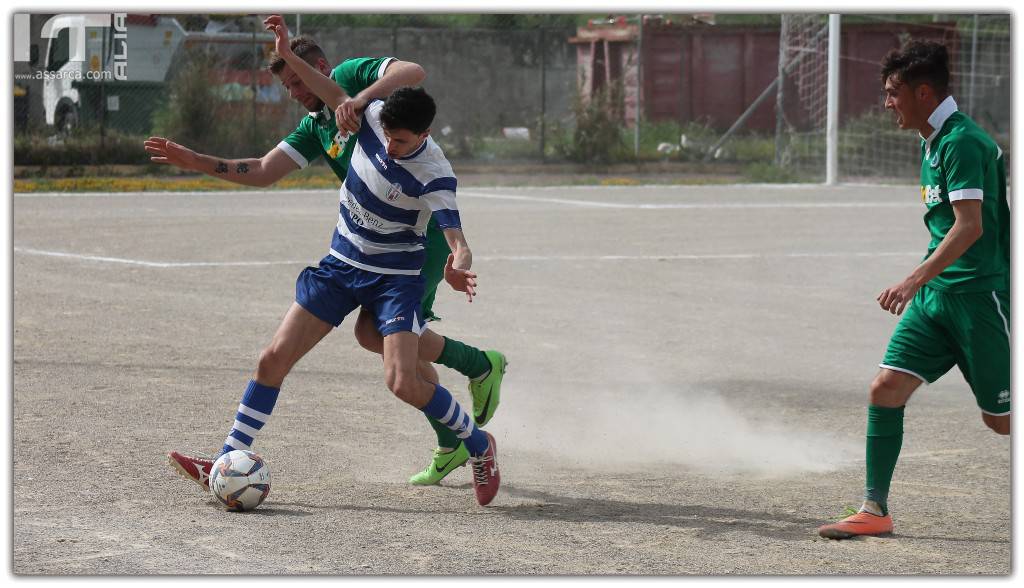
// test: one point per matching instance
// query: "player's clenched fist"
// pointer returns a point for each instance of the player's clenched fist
(348, 113)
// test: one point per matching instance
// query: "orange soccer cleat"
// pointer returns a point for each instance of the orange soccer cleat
(862, 523)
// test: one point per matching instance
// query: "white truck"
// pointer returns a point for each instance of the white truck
(147, 47)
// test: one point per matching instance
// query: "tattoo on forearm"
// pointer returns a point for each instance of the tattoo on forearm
(222, 168)
(242, 168)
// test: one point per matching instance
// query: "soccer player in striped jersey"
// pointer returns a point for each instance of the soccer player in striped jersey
(957, 300)
(317, 135)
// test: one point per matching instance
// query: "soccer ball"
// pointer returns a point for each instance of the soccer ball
(240, 480)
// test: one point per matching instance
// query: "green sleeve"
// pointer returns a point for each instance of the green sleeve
(357, 74)
(302, 145)
(963, 162)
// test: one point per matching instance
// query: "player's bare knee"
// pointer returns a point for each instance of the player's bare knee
(405, 388)
(891, 389)
(999, 424)
(881, 392)
(273, 365)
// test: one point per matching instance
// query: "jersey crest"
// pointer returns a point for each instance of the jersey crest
(394, 192)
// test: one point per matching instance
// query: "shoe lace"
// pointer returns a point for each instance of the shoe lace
(200, 457)
(480, 469)
(210, 457)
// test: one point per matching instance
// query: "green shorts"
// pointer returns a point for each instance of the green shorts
(433, 268)
(970, 330)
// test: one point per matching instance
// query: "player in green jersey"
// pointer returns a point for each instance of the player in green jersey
(325, 133)
(957, 299)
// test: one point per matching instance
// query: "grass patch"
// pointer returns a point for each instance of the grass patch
(308, 179)
(769, 173)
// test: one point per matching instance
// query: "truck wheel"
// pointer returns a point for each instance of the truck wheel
(67, 120)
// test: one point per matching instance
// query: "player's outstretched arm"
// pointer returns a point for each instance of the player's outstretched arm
(456, 269)
(397, 75)
(321, 85)
(967, 229)
(249, 172)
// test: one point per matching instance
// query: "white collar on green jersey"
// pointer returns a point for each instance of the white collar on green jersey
(943, 111)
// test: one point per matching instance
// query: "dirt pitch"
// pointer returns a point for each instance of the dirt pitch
(686, 393)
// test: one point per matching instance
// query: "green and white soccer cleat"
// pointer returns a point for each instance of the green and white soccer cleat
(487, 390)
(442, 465)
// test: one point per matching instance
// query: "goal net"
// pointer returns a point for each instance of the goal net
(870, 146)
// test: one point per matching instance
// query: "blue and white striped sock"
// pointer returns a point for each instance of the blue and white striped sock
(444, 408)
(253, 412)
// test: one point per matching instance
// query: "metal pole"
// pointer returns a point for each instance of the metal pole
(832, 122)
(298, 25)
(252, 84)
(974, 60)
(638, 103)
(543, 89)
(780, 94)
(103, 91)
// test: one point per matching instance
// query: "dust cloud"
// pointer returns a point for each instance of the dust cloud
(633, 430)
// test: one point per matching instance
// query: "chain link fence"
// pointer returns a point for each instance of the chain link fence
(502, 93)
(691, 91)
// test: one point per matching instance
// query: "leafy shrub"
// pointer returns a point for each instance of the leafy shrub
(597, 136)
(83, 147)
(202, 115)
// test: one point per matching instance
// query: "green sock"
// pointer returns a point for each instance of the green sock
(884, 439)
(445, 437)
(465, 359)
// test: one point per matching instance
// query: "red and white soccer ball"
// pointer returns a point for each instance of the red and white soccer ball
(240, 480)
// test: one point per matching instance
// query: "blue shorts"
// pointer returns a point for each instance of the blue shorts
(334, 289)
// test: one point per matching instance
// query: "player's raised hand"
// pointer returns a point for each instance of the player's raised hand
(349, 113)
(459, 279)
(275, 24)
(168, 152)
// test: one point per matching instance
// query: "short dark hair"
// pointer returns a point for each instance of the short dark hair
(408, 108)
(919, 62)
(304, 46)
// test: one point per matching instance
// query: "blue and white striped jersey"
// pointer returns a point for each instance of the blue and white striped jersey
(386, 203)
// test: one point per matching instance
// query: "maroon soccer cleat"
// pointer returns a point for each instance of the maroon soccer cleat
(194, 468)
(486, 477)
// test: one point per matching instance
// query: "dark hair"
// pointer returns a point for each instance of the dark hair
(919, 62)
(303, 46)
(408, 108)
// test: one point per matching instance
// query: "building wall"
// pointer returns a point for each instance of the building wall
(482, 80)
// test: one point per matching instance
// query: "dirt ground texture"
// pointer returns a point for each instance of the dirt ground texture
(686, 394)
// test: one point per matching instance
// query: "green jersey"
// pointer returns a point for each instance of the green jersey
(317, 134)
(959, 161)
